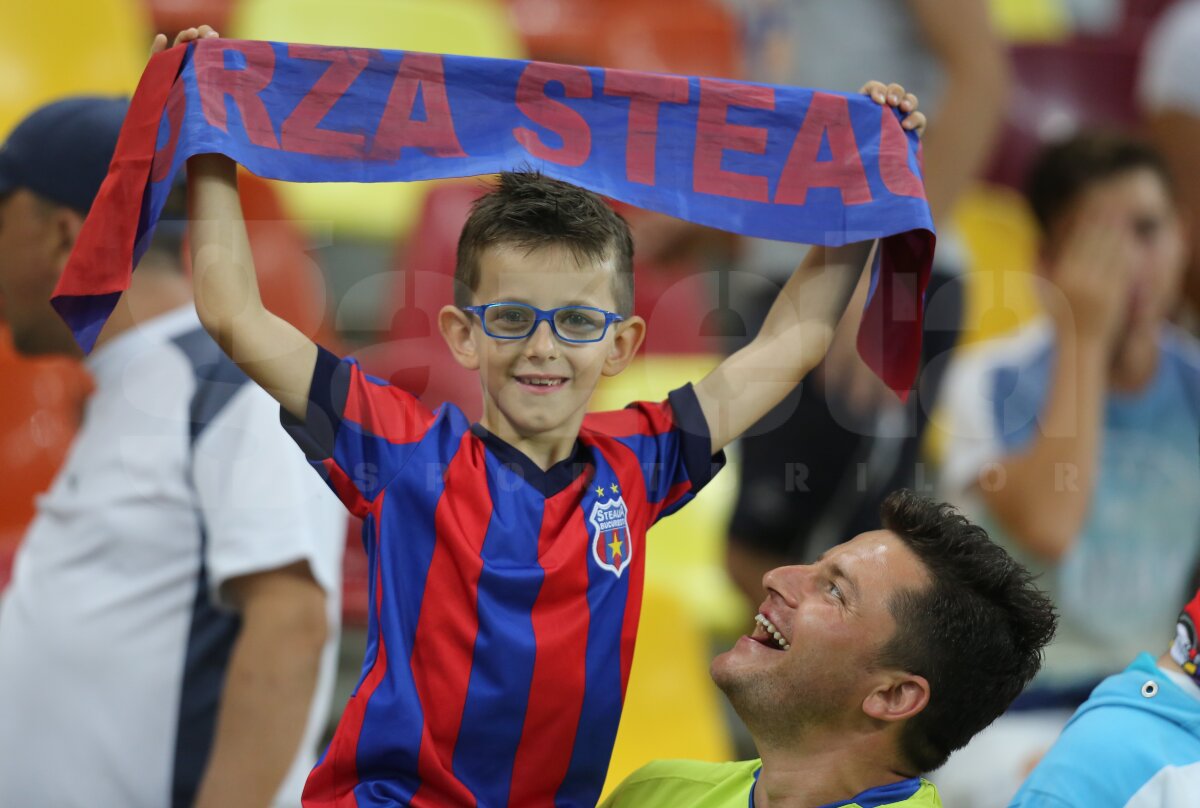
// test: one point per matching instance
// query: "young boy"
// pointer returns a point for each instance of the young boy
(505, 556)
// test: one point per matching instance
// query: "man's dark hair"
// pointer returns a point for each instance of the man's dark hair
(1064, 170)
(976, 633)
(528, 210)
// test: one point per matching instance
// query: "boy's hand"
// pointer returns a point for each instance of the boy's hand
(894, 96)
(182, 38)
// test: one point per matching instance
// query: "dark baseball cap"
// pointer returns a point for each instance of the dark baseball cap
(61, 151)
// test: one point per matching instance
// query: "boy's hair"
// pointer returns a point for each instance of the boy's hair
(528, 210)
(976, 633)
(1065, 170)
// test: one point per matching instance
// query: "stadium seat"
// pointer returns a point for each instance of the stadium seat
(171, 16)
(1060, 88)
(672, 708)
(694, 37)
(74, 47)
(1027, 21)
(1000, 237)
(470, 27)
(39, 414)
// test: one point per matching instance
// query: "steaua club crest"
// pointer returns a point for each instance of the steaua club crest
(612, 546)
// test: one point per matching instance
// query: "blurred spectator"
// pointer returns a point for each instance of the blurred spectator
(817, 468)
(1171, 101)
(1136, 741)
(1074, 440)
(169, 634)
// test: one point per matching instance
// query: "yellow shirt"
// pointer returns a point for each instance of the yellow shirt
(695, 784)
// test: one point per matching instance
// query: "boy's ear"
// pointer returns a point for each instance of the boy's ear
(898, 698)
(630, 334)
(456, 327)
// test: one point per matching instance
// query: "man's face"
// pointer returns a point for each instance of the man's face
(1141, 203)
(541, 384)
(32, 256)
(834, 619)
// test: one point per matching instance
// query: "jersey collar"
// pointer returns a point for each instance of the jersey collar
(877, 797)
(547, 482)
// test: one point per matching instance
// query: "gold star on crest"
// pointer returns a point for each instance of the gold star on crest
(615, 546)
(615, 488)
(599, 491)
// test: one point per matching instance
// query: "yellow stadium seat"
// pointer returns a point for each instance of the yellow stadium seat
(672, 708)
(1031, 20)
(468, 27)
(1001, 239)
(74, 47)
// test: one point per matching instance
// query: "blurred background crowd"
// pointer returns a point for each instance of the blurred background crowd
(1061, 165)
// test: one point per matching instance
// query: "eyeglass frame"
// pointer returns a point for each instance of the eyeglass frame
(540, 315)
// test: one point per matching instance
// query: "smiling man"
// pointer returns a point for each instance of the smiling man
(868, 668)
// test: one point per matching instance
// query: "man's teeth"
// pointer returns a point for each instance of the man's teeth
(540, 382)
(769, 627)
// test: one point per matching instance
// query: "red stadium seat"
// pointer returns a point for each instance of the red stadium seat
(1061, 88)
(39, 414)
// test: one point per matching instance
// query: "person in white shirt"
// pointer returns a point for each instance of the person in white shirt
(1074, 441)
(169, 634)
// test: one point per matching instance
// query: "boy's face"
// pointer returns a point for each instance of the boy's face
(1142, 204)
(540, 385)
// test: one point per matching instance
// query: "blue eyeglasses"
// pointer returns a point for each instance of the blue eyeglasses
(519, 320)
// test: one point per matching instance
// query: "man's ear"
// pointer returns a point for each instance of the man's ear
(898, 698)
(65, 224)
(456, 327)
(630, 334)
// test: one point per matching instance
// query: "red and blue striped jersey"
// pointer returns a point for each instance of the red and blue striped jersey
(504, 598)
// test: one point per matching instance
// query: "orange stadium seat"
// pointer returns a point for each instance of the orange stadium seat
(669, 36)
(172, 16)
(39, 413)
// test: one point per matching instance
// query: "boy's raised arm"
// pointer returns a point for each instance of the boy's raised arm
(793, 340)
(799, 328)
(270, 350)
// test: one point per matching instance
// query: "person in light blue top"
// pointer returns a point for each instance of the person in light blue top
(1136, 742)
(1074, 441)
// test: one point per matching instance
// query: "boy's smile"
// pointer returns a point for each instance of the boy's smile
(536, 389)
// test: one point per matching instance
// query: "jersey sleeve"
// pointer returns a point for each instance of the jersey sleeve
(671, 443)
(359, 430)
(260, 505)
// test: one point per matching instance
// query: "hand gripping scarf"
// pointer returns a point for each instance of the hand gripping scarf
(773, 162)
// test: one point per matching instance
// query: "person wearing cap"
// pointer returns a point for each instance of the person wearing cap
(1136, 741)
(169, 634)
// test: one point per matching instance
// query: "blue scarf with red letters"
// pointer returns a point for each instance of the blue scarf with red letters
(773, 162)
